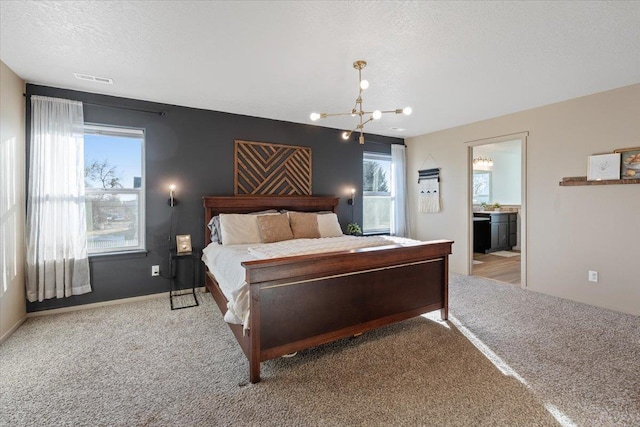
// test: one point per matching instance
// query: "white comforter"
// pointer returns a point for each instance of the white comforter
(224, 263)
(326, 244)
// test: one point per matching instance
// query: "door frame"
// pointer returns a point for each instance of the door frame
(522, 136)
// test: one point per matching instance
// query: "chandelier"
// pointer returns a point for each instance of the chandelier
(482, 163)
(357, 108)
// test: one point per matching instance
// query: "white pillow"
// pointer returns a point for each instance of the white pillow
(328, 225)
(241, 228)
(237, 229)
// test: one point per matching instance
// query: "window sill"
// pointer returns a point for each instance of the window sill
(376, 233)
(115, 256)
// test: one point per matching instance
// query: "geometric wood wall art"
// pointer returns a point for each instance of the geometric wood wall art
(271, 169)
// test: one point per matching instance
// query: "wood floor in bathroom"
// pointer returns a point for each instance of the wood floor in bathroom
(498, 268)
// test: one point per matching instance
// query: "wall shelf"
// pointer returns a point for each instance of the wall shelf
(582, 180)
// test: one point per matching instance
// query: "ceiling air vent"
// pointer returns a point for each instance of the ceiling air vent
(89, 78)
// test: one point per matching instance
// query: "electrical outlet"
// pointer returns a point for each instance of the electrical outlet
(593, 276)
(155, 270)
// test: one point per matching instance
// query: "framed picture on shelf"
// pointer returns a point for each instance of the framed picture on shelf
(629, 162)
(183, 243)
(603, 167)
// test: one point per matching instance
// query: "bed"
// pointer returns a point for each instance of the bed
(298, 302)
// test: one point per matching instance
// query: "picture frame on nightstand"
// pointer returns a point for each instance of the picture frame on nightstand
(183, 243)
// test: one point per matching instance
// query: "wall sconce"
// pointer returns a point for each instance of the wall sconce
(353, 196)
(172, 200)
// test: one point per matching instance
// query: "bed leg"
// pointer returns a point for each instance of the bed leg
(254, 372)
(254, 333)
(444, 311)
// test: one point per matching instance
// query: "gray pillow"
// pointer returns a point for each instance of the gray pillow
(214, 227)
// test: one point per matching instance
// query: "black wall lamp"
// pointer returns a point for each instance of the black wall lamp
(351, 200)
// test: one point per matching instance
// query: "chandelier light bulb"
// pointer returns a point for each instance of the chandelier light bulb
(376, 114)
(364, 84)
(346, 135)
(406, 111)
(314, 116)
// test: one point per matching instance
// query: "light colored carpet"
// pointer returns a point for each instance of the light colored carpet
(582, 361)
(506, 254)
(142, 364)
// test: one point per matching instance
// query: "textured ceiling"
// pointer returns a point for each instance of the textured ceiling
(452, 62)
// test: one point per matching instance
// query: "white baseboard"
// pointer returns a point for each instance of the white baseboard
(13, 328)
(105, 303)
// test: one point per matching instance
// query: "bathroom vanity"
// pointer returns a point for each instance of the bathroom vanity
(494, 231)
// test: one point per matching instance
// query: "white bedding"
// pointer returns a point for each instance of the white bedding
(224, 263)
(327, 244)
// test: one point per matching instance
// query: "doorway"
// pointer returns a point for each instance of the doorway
(497, 192)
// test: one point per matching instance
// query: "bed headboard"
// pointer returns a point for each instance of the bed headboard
(245, 204)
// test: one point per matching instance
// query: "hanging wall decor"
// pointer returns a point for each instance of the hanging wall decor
(429, 197)
(272, 169)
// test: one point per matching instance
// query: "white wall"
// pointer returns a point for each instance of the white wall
(570, 230)
(12, 201)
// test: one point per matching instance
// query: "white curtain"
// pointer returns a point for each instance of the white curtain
(57, 261)
(399, 190)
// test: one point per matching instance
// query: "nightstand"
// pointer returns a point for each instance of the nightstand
(175, 259)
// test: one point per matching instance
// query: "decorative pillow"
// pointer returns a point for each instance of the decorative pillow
(328, 225)
(304, 225)
(238, 229)
(216, 229)
(274, 228)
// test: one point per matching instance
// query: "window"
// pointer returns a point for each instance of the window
(114, 188)
(376, 191)
(481, 187)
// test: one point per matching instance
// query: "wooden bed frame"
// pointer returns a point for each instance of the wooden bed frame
(304, 301)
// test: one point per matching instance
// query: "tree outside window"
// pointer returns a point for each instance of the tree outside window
(377, 200)
(113, 188)
(481, 187)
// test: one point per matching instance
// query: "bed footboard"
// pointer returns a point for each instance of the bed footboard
(304, 301)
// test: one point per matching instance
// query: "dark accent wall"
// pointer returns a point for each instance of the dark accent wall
(193, 148)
